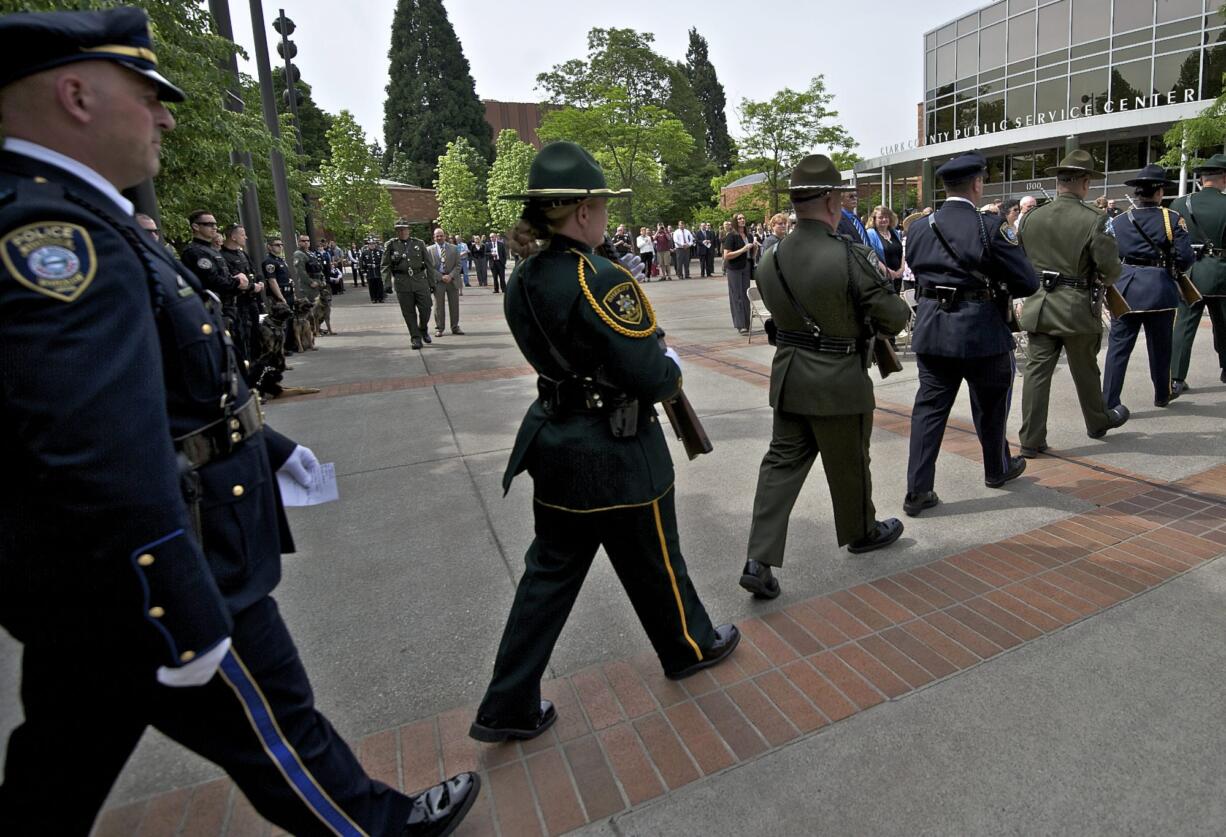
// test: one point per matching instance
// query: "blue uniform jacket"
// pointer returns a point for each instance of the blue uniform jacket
(988, 244)
(108, 352)
(1150, 288)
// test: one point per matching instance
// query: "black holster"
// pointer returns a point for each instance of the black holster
(193, 493)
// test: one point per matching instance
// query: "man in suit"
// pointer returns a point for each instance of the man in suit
(445, 262)
(820, 390)
(496, 256)
(967, 266)
(708, 243)
(849, 222)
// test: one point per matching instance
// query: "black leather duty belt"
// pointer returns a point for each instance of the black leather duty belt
(952, 296)
(811, 342)
(1138, 261)
(221, 437)
(1051, 279)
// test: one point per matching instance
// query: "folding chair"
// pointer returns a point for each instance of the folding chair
(757, 310)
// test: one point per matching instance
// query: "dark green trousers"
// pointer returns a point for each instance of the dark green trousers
(641, 542)
(1042, 355)
(796, 441)
(415, 307)
(1187, 323)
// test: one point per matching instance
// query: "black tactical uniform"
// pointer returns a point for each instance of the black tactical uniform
(247, 304)
(371, 261)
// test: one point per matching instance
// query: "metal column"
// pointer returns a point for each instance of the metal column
(280, 183)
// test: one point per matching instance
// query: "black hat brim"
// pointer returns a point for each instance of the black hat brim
(167, 92)
(1150, 181)
(566, 194)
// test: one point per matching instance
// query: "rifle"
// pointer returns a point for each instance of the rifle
(1187, 291)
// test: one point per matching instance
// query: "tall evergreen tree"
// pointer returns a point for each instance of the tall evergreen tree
(431, 97)
(710, 93)
(689, 180)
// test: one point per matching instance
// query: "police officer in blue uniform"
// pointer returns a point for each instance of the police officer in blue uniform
(967, 266)
(1154, 244)
(140, 524)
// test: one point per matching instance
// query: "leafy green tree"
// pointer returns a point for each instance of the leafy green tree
(313, 121)
(352, 202)
(461, 196)
(688, 181)
(788, 126)
(710, 93)
(1204, 134)
(431, 97)
(508, 176)
(607, 104)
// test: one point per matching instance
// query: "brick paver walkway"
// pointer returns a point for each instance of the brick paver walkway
(626, 734)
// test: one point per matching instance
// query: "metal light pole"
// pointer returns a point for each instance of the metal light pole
(249, 200)
(285, 26)
(280, 184)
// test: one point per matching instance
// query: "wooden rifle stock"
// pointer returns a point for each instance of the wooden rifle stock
(687, 425)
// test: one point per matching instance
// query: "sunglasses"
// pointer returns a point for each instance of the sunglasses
(206, 223)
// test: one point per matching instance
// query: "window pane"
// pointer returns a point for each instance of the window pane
(1192, 24)
(1053, 71)
(1127, 155)
(1021, 37)
(1131, 14)
(992, 46)
(1053, 26)
(1050, 97)
(1175, 9)
(930, 40)
(945, 121)
(1098, 151)
(1215, 66)
(1019, 102)
(1088, 90)
(932, 125)
(992, 14)
(1128, 81)
(1119, 56)
(968, 24)
(1157, 148)
(947, 33)
(1175, 44)
(968, 56)
(1089, 48)
(1177, 73)
(1091, 19)
(996, 168)
(1044, 160)
(1021, 166)
(930, 71)
(992, 109)
(1016, 6)
(965, 114)
(946, 67)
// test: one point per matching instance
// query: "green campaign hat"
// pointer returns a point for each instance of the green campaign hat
(402, 223)
(565, 171)
(1216, 163)
(817, 173)
(1077, 162)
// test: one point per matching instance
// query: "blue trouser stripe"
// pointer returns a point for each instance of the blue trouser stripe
(281, 750)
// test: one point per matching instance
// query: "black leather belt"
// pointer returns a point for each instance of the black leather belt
(950, 296)
(1137, 261)
(1051, 278)
(219, 438)
(811, 342)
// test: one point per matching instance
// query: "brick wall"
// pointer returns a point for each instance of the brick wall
(418, 205)
(523, 117)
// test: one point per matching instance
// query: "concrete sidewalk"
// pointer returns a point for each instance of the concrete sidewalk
(398, 593)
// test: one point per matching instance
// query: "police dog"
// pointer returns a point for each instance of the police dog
(305, 323)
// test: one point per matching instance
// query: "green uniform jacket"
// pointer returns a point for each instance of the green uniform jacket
(309, 286)
(1071, 238)
(598, 319)
(1208, 227)
(816, 262)
(405, 266)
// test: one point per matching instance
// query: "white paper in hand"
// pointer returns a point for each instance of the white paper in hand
(322, 488)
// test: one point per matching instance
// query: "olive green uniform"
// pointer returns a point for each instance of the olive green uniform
(591, 486)
(1070, 238)
(823, 401)
(303, 279)
(1208, 274)
(406, 270)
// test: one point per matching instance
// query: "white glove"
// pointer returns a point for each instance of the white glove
(301, 467)
(199, 671)
(635, 265)
(671, 354)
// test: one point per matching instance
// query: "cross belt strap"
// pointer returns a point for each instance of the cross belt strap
(814, 343)
(221, 437)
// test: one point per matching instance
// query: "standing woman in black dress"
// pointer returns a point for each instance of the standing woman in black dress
(887, 241)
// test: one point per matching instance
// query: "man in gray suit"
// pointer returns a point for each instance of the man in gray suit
(445, 261)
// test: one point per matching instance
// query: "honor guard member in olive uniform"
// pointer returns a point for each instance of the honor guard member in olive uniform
(1068, 244)
(600, 466)
(827, 298)
(1154, 244)
(1205, 215)
(967, 267)
(141, 524)
(370, 262)
(308, 272)
(405, 268)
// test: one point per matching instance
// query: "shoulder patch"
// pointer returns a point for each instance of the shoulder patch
(204, 263)
(270, 268)
(624, 304)
(1008, 233)
(1183, 223)
(53, 258)
(623, 308)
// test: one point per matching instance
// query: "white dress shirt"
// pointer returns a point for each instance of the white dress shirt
(683, 238)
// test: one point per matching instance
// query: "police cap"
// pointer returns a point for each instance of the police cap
(33, 42)
(1151, 175)
(964, 167)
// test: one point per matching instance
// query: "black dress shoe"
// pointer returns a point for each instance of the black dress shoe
(1163, 402)
(1178, 388)
(1031, 453)
(416, 342)
(757, 579)
(1017, 465)
(439, 810)
(1118, 415)
(1222, 377)
(457, 330)
(491, 732)
(883, 533)
(425, 335)
(727, 637)
(913, 504)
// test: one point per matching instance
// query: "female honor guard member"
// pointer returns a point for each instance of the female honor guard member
(600, 466)
(1153, 242)
(141, 526)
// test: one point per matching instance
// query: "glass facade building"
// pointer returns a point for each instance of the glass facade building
(1018, 79)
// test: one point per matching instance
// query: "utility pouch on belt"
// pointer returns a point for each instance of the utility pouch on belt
(189, 484)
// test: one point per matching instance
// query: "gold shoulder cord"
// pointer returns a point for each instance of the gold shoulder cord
(1166, 220)
(609, 321)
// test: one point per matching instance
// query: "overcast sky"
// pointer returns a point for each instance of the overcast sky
(870, 53)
